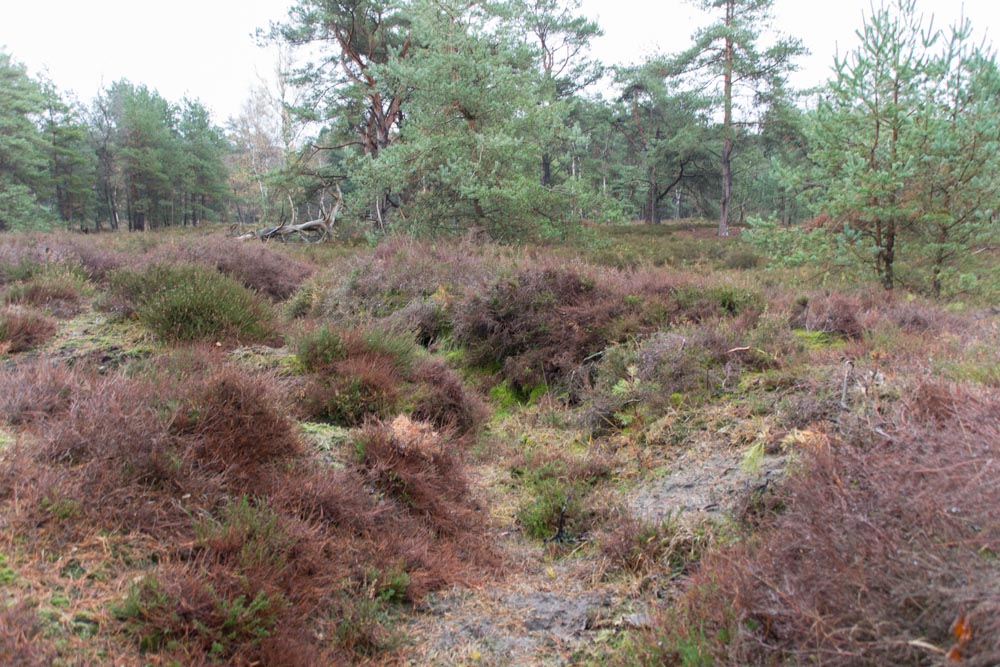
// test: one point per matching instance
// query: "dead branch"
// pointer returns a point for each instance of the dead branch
(312, 231)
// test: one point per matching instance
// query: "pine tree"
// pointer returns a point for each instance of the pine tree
(24, 173)
(863, 130)
(729, 52)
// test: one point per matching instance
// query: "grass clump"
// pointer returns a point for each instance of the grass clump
(557, 488)
(672, 545)
(192, 303)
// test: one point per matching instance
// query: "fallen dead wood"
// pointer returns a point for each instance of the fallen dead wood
(312, 231)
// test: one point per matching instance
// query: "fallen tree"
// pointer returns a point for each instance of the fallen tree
(311, 231)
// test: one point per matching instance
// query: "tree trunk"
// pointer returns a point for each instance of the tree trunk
(887, 255)
(546, 170)
(727, 187)
(727, 124)
(652, 201)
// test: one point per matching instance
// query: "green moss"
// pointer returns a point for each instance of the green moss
(327, 438)
(7, 575)
(505, 397)
(817, 340)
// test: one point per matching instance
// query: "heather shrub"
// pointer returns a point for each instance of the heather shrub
(424, 319)
(355, 374)
(883, 546)
(741, 259)
(319, 349)
(698, 303)
(544, 326)
(636, 381)
(237, 421)
(254, 265)
(267, 545)
(537, 327)
(834, 315)
(302, 302)
(353, 390)
(215, 615)
(36, 391)
(402, 270)
(23, 329)
(190, 303)
(418, 467)
(22, 639)
(443, 400)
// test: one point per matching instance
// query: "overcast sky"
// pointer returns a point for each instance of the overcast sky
(205, 49)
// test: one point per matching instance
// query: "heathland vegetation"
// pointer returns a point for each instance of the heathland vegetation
(494, 418)
(461, 451)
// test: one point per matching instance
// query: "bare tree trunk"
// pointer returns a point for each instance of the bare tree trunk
(652, 201)
(727, 125)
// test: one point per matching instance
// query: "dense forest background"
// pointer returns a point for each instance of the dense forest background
(442, 116)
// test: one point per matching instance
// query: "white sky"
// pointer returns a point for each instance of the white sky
(205, 48)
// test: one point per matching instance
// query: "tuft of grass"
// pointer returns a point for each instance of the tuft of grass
(557, 491)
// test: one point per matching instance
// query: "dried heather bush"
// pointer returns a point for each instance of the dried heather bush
(201, 611)
(632, 545)
(238, 422)
(338, 498)
(402, 269)
(116, 439)
(418, 467)
(879, 545)
(443, 400)
(698, 302)
(23, 329)
(22, 643)
(254, 265)
(537, 327)
(835, 314)
(35, 391)
(356, 389)
(57, 289)
(425, 319)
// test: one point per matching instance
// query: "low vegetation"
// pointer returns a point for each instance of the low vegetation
(418, 451)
